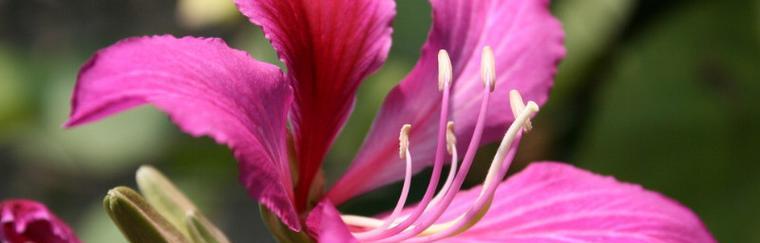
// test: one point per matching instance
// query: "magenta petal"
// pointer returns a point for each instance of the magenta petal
(554, 202)
(329, 47)
(325, 225)
(528, 44)
(23, 221)
(207, 88)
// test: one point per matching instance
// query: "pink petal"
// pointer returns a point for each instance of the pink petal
(329, 47)
(207, 88)
(553, 202)
(24, 221)
(325, 225)
(527, 43)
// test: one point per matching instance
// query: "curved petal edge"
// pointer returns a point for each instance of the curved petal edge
(207, 89)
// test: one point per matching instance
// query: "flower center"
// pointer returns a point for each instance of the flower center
(419, 223)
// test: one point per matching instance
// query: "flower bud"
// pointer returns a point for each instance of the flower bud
(138, 220)
(173, 205)
(23, 221)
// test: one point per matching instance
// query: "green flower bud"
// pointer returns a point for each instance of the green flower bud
(138, 220)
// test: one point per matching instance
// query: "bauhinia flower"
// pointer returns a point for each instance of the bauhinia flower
(23, 221)
(482, 61)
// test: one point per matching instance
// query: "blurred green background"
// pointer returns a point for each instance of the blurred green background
(661, 93)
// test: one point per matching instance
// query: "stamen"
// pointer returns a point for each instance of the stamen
(403, 145)
(419, 224)
(495, 174)
(361, 221)
(434, 213)
(488, 68)
(488, 75)
(517, 105)
(506, 143)
(451, 142)
(380, 233)
(451, 139)
(444, 70)
(403, 141)
(369, 222)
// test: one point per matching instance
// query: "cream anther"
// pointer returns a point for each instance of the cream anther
(451, 139)
(444, 70)
(488, 68)
(403, 141)
(517, 105)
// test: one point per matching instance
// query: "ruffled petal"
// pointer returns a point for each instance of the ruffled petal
(325, 225)
(208, 89)
(23, 221)
(329, 47)
(554, 202)
(528, 44)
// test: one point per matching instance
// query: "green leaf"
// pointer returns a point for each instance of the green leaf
(137, 220)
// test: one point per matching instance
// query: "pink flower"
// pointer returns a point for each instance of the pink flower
(329, 47)
(25, 221)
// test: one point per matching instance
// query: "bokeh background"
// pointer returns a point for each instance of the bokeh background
(661, 93)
